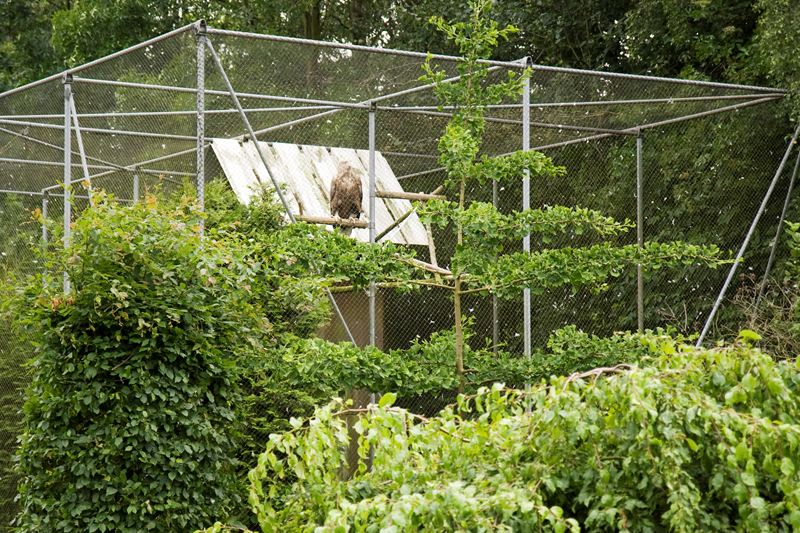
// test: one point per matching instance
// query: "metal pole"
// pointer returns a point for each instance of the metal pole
(67, 167)
(495, 314)
(263, 158)
(778, 231)
(105, 164)
(99, 61)
(372, 290)
(746, 241)
(627, 131)
(107, 131)
(217, 92)
(541, 105)
(81, 151)
(201, 119)
(45, 201)
(348, 46)
(526, 204)
(639, 232)
(135, 185)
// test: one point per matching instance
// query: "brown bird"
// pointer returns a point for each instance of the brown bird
(346, 194)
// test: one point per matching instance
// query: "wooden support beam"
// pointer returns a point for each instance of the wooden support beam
(402, 195)
(333, 221)
(404, 216)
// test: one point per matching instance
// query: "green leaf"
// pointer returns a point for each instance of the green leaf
(749, 336)
(387, 400)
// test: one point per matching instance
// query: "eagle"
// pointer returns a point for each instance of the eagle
(346, 194)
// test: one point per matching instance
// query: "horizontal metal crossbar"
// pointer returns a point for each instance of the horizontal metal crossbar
(192, 112)
(360, 48)
(91, 158)
(99, 130)
(114, 168)
(544, 125)
(592, 103)
(214, 92)
(635, 130)
(57, 195)
(99, 61)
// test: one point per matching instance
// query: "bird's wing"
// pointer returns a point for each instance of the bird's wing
(335, 185)
(360, 196)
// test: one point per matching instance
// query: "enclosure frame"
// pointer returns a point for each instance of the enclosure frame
(372, 107)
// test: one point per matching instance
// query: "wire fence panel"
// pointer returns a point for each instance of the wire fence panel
(709, 153)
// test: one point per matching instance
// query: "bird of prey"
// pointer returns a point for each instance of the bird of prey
(346, 194)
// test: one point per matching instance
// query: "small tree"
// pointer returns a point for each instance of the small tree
(479, 263)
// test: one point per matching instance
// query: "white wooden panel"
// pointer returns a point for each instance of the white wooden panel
(277, 168)
(305, 172)
(237, 168)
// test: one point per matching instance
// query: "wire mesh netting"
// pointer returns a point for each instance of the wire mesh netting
(709, 153)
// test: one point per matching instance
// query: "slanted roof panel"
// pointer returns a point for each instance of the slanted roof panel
(305, 172)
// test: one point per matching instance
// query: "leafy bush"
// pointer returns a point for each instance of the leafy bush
(129, 418)
(701, 440)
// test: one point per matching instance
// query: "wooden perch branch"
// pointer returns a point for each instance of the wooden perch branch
(402, 195)
(404, 216)
(334, 221)
(429, 267)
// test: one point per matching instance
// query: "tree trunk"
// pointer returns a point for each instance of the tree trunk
(312, 22)
(459, 335)
(457, 302)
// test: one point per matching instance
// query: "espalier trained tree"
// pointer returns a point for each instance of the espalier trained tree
(479, 264)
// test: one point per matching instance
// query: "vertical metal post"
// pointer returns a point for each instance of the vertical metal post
(372, 291)
(495, 313)
(750, 231)
(67, 166)
(201, 119)
(526, 204)
(135, 185)
(771, 259)
(639, 232)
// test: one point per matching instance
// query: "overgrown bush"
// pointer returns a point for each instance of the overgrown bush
(701, 440)
(129, 418)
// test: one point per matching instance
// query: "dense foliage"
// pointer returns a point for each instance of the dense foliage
(129, 414)
(696, 441)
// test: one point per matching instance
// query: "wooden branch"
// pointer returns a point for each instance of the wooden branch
(402, 195)
(403, 217)
(597, 372)
(334, 221)
(432, 251)
(339, 289)
(429, 267)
